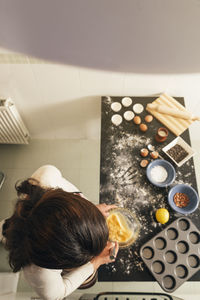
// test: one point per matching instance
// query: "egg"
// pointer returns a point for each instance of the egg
(154, 154)
(143, 127)
(137, 120)
(144, 163)
(148, 118)
(144, 152)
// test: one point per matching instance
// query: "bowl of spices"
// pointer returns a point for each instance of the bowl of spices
(161, 173)
(183, 199)
(178, 151)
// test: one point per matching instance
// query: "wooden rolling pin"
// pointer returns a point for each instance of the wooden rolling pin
(172, 112)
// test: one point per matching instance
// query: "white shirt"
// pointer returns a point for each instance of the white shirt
(48, 283)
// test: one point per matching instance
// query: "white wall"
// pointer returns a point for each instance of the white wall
(142, 36)
(58, 101)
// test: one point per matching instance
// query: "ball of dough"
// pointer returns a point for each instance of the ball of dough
(138, 108)
(129, 115)
(143, 127)
(116, 106)
(126, 101)
(137, 120)
(116, 119)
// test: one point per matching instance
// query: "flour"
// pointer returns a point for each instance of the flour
(159, 174)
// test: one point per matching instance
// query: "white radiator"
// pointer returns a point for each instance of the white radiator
(12, 128)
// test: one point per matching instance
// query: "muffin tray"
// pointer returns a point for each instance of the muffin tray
(173, 255)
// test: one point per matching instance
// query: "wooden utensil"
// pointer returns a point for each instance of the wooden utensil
(173, 112)
(176, 124)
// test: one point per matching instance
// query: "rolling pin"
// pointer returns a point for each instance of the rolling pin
(172, 112)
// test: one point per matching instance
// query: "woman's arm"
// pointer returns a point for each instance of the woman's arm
(105, 208)
(50, 285)
(105, 256)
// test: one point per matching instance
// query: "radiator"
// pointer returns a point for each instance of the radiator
(12, 128)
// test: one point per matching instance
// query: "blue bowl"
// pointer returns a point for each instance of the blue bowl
(168, 167)
(192, 195)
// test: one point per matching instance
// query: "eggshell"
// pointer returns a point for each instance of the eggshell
(137, 120)
(154, 154)
(144, 163)
(144, 152)
(143, 127)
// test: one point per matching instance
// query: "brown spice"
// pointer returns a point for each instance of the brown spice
(181, 199)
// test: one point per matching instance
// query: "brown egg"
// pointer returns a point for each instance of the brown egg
(143, 127)
(148, 118)
(137, 120)
(144, 163)
(154, 154)
(144, 152)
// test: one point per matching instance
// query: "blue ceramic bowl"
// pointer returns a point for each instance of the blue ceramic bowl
(168, 167)
(192, 195)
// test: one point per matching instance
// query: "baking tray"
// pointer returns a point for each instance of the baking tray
(172, 256)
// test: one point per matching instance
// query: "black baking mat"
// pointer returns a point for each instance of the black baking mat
(124, 182)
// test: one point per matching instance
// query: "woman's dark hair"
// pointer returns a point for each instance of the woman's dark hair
(53, 229)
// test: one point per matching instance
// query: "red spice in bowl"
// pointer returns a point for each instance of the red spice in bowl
(181, 199)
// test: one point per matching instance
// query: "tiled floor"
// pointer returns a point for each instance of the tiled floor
(79, 162)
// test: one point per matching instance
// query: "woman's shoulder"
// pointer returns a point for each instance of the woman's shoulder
(50, 176)
(47, 176)
(45, 171)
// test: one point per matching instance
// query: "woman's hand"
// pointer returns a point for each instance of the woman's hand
(104, 208)
(105, 256)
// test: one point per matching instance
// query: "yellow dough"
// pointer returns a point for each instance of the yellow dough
(118, 228)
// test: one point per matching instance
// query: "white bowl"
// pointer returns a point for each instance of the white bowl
(184, 145)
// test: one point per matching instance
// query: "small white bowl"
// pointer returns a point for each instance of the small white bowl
(184, 145)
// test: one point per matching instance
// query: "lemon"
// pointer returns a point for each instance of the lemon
(162, 215)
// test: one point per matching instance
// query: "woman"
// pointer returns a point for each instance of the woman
(55, 235)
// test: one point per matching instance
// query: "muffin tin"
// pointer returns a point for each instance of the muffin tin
(173, 255)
